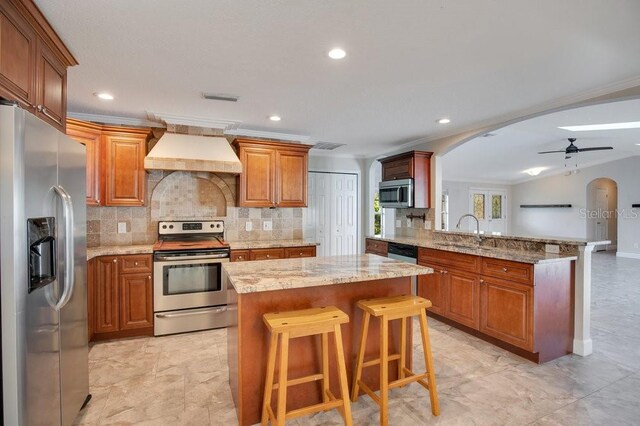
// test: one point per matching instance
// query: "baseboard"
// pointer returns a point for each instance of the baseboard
(628, 255)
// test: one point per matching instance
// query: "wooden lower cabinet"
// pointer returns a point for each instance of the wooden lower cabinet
(463, 298)
(507, 311)
(374, 246)
(433, 287)
(453, 294)
(525, 308)
(272, 253)
(120, 291)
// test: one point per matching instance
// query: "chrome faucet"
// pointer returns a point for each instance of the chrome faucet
(479, 237)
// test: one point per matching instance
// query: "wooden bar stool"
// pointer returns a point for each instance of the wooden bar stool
(306, 322)
(388, 309)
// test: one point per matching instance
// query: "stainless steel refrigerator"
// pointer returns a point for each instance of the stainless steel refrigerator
(45, 373)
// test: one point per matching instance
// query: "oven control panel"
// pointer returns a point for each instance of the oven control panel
(190, 227)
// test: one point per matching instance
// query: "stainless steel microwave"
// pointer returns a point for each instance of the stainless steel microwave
(396, 193)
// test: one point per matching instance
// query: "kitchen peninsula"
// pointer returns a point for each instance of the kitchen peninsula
(256, 288)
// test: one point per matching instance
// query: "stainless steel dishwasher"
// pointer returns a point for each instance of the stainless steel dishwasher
(405, 253)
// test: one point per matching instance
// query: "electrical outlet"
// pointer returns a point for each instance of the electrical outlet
(408, 223)
(427, 224)
(266, 225)
(398, 223)
(552, 248)
(248, 226)
(122, 227)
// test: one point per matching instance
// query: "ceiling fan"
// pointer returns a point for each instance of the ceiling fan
(572, 149)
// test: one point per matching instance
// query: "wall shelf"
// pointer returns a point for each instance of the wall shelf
(635, 206)
(545, 206)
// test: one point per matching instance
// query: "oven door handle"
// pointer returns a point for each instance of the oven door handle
(185, 314)
(203, 257)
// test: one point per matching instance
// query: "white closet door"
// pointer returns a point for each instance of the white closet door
(344, 220)
(332, 214)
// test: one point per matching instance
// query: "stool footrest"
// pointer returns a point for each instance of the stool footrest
(405, 381)
(300, 380)
(369, 392)
(323, 406)
(377, 360)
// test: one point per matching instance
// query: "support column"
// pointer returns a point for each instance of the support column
(582, 344)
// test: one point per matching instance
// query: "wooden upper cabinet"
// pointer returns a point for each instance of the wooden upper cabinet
(17, 57)
(33, 62)
(259, 175)
(115, 162)
(274, 174)
(51, 87)
(124, 181)
(292, 179)
(414, 165)
(89, 135)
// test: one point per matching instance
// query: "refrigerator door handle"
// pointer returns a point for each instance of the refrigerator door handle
(69, 258)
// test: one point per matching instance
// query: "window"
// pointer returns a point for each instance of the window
(478, 206)
(377, 216)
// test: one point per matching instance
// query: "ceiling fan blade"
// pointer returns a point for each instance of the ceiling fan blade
(550, 152)
(596, 148)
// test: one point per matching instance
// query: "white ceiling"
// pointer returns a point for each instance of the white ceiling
(408, 62)
(502, 158)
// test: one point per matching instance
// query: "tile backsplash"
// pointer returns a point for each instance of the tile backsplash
(416, 229)
(186, 196)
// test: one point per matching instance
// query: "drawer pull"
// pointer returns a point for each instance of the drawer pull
(300, 253)
(481, 281)
(504, 269)
(136, 263)
(115, 260)
(268, 256)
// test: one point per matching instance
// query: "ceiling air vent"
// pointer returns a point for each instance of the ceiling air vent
(327, 146)
(220, 97)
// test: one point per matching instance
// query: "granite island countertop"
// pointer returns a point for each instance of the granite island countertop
(119, 250)
(523, 256)
(269, 275)
(258, 244)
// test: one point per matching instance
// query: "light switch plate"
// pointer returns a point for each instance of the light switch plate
(248, 226)
(122, 227)
(427, 224)
(552, 248)
(398, 223)
(266, 225)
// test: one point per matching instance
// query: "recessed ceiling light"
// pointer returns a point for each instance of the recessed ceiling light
(104, 96)
(535, 171)
(606, 126)
(275, 118)
(337, 53)
(443, 121)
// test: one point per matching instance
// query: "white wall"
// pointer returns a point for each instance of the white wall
(459, 199)
(570, 223)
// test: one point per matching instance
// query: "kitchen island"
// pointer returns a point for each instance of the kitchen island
(256, 288)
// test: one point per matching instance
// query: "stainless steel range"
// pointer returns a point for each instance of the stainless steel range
(188, 292)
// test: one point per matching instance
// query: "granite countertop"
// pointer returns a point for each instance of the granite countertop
(247, 245)
(118, 250)
(268, 275)
(546, 240)
(523, 256)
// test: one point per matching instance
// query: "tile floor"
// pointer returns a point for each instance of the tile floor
(182, 380)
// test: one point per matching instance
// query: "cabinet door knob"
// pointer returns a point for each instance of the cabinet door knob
(136, 263)
(268, 255)
(149, 276)
(115, 260)
(300, 253)
(481, 281)
(504, 269)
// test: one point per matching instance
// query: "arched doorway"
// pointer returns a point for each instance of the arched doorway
(602, 218)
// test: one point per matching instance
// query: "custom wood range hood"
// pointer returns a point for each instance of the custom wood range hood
(193, 153)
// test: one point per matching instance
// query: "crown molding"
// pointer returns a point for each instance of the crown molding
(113, 119)
(267, 135)
(186, 120)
